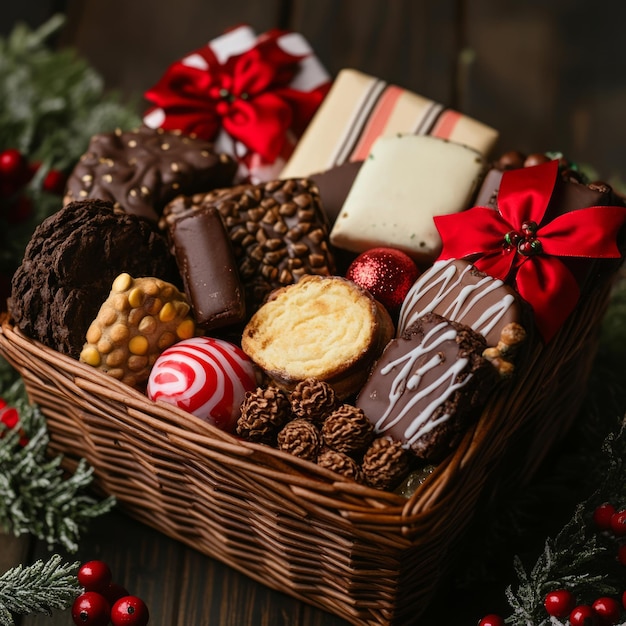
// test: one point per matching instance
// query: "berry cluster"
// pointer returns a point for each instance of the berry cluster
(562, 603)
(9, 419)
(15, 173)
(104, 601)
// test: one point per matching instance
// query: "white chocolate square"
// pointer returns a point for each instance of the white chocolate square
(406, 181)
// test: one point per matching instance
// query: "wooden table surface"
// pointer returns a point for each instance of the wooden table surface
(185, 588)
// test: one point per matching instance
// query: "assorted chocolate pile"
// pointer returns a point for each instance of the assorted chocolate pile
(232, 300)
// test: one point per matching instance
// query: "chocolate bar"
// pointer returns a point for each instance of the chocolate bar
(208, 267)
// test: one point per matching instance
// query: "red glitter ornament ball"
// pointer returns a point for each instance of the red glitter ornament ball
(387, 273)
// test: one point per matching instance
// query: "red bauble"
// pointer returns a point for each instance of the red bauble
(559, 603)
(90, 609)
(94, 576)
(583, 615)
(608, 610)
(491, 620)
(130, 611)
(387, 273)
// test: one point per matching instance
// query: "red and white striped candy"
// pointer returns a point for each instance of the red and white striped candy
(204, 376)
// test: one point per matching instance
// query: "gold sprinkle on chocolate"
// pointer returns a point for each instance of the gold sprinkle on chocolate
(132, 143)
(107, 178)
(175, 167)
(145, 191)
(82, 193)
(133, 193)
(87, 178)
(165, 146)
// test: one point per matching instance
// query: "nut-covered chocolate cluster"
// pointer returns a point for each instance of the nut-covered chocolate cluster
(136, 323)
(312, 424)
(277, 229)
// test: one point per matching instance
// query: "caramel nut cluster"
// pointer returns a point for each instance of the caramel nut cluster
(140, 318)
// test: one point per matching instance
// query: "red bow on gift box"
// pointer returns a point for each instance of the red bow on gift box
(250, 95)
(514, 245)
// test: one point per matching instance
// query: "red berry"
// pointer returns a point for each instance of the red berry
(618, 523)
(54, 182)
(602, 516)
(583, 615)
(608, 609)
(559, 603)
(491, 620)
(129, 611)
(90, 609)
(114, 592)
(19, 210)
(13, 165)
(94, 576)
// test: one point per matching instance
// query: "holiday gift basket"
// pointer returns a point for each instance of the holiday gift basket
(367, 554)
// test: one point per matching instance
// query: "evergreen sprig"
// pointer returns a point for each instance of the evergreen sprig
(37, 496)
(37, 588)
(51, 103)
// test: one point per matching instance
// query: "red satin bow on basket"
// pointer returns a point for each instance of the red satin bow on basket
(516, 246)
(253, 91)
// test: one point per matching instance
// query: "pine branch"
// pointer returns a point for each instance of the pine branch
(36, 495)
(38, 588)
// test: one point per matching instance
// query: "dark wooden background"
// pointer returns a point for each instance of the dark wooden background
(548, 75)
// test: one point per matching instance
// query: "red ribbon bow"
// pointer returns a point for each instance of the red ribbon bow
(248, 95)
(513, 244)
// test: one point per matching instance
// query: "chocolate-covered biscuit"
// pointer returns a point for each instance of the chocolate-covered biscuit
(277, 229)
(140, 171)
(428, 385)
(208, 268)
(456, 290)
(69, 266)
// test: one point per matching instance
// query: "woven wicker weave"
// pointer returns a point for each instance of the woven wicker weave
(368, 556)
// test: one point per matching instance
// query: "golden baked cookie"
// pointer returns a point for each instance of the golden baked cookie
(323, 327)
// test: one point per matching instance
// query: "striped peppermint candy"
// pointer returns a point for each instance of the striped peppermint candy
(204, 376)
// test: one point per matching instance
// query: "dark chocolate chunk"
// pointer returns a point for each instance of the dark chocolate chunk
(208, 267)
(334, 185)
(140, 171)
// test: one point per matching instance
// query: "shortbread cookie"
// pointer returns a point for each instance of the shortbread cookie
(71, 261)
(326, 328)
(136, 323)
(406, 181)
(428, 385)
(141, 170)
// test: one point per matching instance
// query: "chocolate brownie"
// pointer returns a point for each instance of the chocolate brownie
(69, 266)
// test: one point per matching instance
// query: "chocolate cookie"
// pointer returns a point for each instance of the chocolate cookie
(70, 264)
(140, 171)
(428, 385)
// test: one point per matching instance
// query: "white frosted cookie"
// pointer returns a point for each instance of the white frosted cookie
(401, 186)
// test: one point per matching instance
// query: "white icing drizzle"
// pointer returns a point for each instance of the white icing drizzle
(409, 379)
(439, 282)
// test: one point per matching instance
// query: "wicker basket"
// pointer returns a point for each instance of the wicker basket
(368, 556)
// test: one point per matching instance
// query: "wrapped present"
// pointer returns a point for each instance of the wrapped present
(360, 108)
(252, 95)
